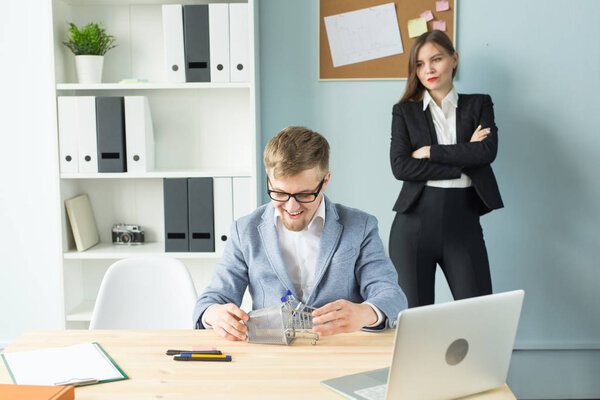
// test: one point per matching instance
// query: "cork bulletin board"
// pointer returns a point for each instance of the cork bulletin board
(390, 67)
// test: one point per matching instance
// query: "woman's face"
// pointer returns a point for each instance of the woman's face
(434, 68)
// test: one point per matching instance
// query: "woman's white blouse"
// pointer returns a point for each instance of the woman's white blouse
(444, 120)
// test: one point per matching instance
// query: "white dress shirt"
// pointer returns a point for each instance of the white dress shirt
(300, 251)
(444, 120)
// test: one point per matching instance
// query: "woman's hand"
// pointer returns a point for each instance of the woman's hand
(423, 152)
(480, 134)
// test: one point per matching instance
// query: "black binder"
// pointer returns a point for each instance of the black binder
(110, 134)
(176, 214)
(201, 214)
(196, 43)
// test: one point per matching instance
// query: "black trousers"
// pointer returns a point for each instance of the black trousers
(441, 228)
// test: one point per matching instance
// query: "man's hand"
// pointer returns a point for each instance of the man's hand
(225, 320)
(422, 152)
(480, 134)
(342, 316)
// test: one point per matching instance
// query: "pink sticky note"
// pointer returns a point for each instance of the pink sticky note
(442, 5)
(439, 25)
(427, 15)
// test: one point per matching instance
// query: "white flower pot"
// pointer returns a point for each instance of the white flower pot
(89, 68)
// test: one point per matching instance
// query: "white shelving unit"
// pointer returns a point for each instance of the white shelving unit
(200, 130)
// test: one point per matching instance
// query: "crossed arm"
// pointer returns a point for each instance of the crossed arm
(459, 154)
(442, 161)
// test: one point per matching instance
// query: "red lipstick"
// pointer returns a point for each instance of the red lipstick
(431, 79)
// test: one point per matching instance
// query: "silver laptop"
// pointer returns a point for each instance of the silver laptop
(443, 351)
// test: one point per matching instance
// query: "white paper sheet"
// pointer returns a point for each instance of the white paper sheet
(363, 35)
(48, 367)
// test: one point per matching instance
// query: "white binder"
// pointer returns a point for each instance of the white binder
(172, 16)
(67, 134)
(139, 135)
(65, 365)
(88, 145)
(239, 42)
(218, 31)
(223, 209)
(242, 195)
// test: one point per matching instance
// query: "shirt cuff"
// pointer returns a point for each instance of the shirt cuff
(380, 316)
(204, 324)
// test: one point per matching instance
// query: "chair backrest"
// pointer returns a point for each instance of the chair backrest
(145, 293)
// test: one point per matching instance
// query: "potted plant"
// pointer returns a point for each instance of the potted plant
(89, 46)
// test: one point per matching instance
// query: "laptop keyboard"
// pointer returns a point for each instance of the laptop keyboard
(373, 392)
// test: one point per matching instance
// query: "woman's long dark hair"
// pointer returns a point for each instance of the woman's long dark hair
(414, 88)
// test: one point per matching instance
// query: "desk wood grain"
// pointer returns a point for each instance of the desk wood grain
(256, 372)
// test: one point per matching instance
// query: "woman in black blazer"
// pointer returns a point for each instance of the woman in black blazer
(442, 146)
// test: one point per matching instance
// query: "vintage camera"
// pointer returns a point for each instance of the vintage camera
(127, 234)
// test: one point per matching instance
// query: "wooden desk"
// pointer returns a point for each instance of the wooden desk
(256, 372)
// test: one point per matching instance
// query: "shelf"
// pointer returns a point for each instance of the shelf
(109, 251)
(157, 174)
(81, 313)
(143, 2)
(152, 86)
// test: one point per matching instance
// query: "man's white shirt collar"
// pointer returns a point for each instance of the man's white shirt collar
(320, 214)
(451, 97)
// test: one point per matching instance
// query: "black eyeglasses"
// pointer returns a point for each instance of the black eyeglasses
(299, 197)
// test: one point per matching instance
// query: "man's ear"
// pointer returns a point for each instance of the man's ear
(326, 181)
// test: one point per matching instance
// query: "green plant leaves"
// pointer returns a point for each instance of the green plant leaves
(92, 40)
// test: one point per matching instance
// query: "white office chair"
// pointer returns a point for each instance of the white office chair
(145, 293)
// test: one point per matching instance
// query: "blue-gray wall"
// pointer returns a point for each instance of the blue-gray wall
(540, 61)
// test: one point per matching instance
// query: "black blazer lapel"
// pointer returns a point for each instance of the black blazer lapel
(462, 133)
(429, 118)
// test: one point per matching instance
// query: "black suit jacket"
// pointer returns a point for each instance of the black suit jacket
(413, 128)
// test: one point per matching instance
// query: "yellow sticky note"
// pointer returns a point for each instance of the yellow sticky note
(416, 27)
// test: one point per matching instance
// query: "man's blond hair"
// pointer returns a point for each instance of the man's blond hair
(296, 149)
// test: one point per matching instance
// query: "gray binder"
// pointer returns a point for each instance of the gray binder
(110, 134)
(196, 43)
(176, 214)
(201, 214)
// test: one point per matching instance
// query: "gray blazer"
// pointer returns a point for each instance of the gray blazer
(351, 265)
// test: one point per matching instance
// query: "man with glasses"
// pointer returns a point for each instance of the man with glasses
(328, 255)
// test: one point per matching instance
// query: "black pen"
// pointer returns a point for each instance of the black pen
(174, 352)
(191, 357)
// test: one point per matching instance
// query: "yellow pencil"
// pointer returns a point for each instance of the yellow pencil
(204, 355)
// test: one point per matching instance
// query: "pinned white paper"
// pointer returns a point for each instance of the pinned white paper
(363, 35)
